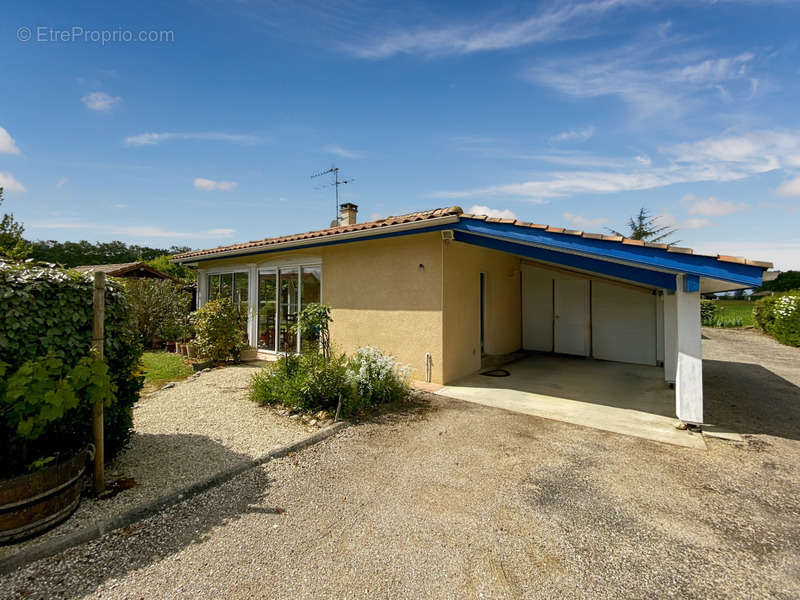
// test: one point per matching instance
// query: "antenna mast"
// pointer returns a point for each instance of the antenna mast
(334, 170)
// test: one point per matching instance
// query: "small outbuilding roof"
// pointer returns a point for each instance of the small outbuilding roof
(130, 269)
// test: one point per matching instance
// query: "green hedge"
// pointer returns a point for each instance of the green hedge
(779, 316)
(47, 311)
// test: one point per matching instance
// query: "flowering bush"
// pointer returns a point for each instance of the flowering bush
(779, 316)
(311, 382)
(377, 377)
(221, 330)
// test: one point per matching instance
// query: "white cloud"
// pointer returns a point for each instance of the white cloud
(497, 213)
(62, 182)
(100, 101)
(7, 143)
(789, 188)
(653, 76)
(152, 139)
(134, 231)
(582, 222)
(574, 135)
(711, 206)
(668, 220)
(9, 184)
(643, 159)
(564, 21)
(343, 152)
(724, 158)
(209, 185)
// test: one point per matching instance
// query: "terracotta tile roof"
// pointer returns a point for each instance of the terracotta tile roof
(452, 211)
(380, 223)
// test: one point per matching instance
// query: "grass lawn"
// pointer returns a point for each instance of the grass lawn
(733, 309)
(160, 367)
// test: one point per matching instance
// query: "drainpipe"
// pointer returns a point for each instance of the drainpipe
(427, 367)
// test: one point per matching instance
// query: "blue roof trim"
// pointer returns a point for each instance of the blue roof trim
(657, 279)
(676, 262)
(329, 242)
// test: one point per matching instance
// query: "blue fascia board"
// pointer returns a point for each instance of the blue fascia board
(657, 279)
(328, 242)
(691, 283)
(676, 262)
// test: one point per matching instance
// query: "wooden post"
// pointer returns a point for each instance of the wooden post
(98, 305)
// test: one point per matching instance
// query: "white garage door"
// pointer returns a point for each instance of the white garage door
(623, 323)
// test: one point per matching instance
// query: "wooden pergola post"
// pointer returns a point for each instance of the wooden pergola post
(98, 306)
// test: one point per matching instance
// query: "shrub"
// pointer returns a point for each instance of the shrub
(221, 330)
(779, 316)
(377, 377)
(159, 308)
(306, 382)
(708, 311)
(46, 314)
(313, 324)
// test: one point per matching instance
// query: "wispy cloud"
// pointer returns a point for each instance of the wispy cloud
(134, 231)
(655, 77)
(100, 101)
(574, 135)
(564, 21)
(582, 222)
(7, 143)
(789, 188)
(497, 213)
(62, 182)
(668, 220)
(210, 185)
(711, 206)
(9, 184)
(722, 158)
(342, 152)
(152, 139)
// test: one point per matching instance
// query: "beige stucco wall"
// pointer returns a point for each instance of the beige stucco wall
(380, 296)
(463, 265)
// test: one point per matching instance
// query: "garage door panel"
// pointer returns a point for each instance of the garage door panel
(623, 323)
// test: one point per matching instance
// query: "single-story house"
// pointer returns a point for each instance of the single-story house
(440, 289)
(130, 269)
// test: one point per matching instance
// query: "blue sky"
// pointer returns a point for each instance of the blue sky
(571, 114)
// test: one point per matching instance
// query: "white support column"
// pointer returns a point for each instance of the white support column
(689, 376)
(252, 303)
(202, 287)
(670, 311)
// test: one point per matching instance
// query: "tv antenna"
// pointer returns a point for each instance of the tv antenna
(334, 171)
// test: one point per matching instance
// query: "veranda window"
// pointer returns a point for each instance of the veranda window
(229, 285)
(282, 293)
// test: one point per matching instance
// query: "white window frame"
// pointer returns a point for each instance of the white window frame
(275, 267)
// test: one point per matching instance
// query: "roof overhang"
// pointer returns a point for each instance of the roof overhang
(641, 264)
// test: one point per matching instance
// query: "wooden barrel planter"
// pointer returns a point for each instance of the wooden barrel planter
(31, 503)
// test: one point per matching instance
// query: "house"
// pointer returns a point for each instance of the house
(441, 289)
(130, 269)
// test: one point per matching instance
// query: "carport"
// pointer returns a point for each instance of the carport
(610, 320)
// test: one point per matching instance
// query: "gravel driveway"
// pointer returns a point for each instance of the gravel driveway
(448, 500)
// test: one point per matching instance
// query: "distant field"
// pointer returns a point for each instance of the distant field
(733, 309)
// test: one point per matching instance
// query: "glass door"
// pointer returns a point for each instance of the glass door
(288, 308)
(310, 293)
(267, 330)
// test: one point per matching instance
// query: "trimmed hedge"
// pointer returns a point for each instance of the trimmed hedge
(779, 316)
(47, 311)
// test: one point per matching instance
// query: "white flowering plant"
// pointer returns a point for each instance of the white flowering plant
(779, 316)
(377, 377)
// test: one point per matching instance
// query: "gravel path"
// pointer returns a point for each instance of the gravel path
(183, 435)
(454, 500)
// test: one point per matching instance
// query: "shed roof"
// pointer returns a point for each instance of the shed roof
(124, 269)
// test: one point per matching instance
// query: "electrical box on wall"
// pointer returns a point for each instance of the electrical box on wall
(447, 235)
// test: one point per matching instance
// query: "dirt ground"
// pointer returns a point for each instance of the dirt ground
(444, 499)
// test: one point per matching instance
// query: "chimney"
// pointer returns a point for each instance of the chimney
(348, 213)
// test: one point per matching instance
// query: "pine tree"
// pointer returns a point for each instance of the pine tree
(646, 228)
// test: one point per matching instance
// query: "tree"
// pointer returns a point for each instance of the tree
(12, 243)
(165, 265)
(788, 280)
(646, 228)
